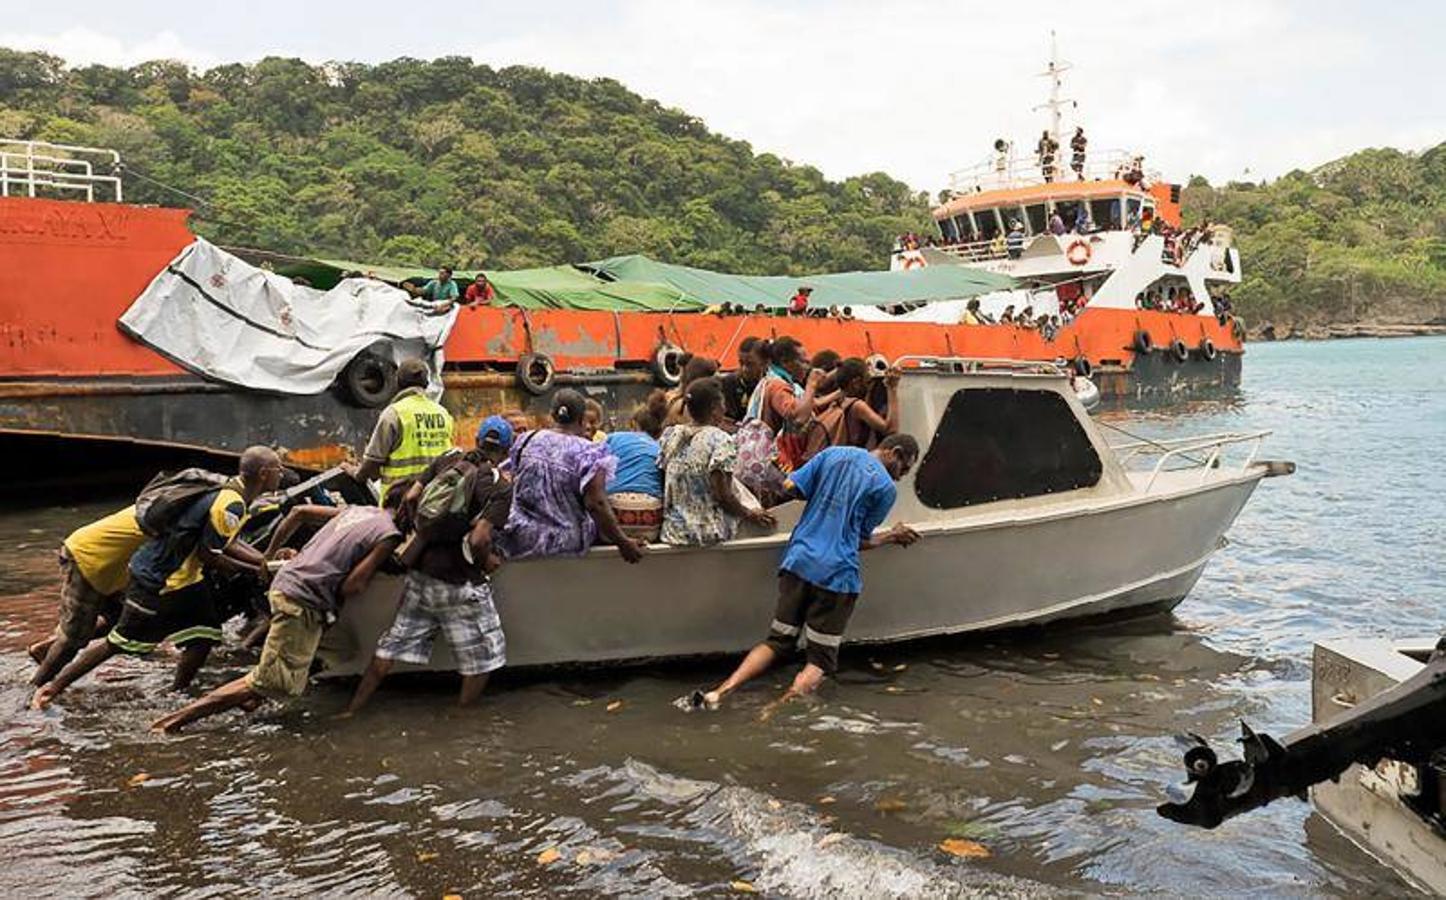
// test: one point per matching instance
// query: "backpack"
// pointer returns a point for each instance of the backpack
(444, 500)
(162, 501)
(829, 428)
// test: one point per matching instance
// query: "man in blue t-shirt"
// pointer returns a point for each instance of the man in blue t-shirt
(849, 492)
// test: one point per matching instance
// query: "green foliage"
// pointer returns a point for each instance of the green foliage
(449, 162)
(1359, 239)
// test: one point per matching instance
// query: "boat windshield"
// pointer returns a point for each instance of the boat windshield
(996, 444)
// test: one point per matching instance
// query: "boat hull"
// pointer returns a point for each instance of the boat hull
(1061, 563)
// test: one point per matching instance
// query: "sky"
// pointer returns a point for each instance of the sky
(1229, 89)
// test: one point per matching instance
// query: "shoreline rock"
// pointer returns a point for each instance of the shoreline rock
(1343, 330)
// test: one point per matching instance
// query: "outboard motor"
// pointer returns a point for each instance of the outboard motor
(1407, 723)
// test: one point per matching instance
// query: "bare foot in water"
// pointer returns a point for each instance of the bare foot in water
(165, 725)
(42, 697)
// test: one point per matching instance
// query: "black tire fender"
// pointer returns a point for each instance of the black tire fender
(1143, 342)
(369, 380)
(1207, 350)
(1082, 366)
(667, 365)
(535, 372)
(1179, 350)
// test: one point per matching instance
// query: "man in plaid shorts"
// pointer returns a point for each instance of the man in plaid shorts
(447, 590)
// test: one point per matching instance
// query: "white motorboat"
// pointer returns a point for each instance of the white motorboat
(1026, 516)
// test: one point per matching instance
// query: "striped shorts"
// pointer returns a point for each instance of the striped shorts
(817, 615)
(463, 614)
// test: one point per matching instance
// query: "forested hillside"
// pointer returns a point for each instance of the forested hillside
(1359, 240)
(424, 162)
(448, 161)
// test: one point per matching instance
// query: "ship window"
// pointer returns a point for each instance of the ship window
(946, 228)
(1132, 213)
(1000, 443)
(1038, 218)
(962, 229)
(988, 225)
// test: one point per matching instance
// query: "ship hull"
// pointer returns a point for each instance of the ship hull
(597, 609)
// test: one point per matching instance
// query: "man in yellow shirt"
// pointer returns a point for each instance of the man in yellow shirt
(93, 578)
(168, 597)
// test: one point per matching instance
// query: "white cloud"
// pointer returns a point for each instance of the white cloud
(83, 46)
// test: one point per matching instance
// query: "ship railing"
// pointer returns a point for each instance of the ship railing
(1205, 453)
(962, 365)
(975, 251)
(1024, 170)
(38, 168)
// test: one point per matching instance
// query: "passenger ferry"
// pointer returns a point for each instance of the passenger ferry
(1101, 267)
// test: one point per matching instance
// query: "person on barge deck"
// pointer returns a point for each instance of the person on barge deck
(411, 432)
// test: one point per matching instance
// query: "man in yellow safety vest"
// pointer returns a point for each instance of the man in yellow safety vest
(411, 432)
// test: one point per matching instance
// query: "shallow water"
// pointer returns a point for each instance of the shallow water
(1050, 749)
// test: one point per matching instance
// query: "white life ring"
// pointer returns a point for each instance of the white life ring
(1078, 253)
(913, 259)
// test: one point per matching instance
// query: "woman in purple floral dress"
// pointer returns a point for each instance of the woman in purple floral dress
(559, 490)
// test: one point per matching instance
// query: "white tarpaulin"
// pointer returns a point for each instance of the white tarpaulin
(228, 320)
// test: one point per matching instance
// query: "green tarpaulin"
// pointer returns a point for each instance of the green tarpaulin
(639, 284)
(951, 282)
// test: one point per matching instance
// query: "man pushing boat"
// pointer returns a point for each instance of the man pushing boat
(848, 492)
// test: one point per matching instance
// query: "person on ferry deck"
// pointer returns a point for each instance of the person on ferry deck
(848, 493)
(442, 289)
(592, 420)
(635, 490)
(971, 313)
(798, 304)
(1077, 146)
(1007, 317)
(738, 385)
(169, 597)
(1056, 224)
(306, 596)
(1046, 150)
(1014, 244)
(701, 504)
(559, 490)
(480, 292)
(450, 559)
(411, 432)
(93, 578)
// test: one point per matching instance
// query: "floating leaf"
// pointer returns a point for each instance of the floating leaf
(615, 706)
(965, 849)
(451, 897)
(893, 689)
(594, 856)
(1097, 701)
(425, 856)
(901, 667)
(833, 837)
(743, 887)
(549, 856)
(775, 805)
(582, 703)
(825, 801)
(876, 665)
(890, 804)
(138, 779)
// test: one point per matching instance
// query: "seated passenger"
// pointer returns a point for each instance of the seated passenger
(971, 313)
(592, 419)
(701, 505)
(694, 368)
(1025, 319)
(480, 292)
(847, 419)
(635, 491)
(559, 490)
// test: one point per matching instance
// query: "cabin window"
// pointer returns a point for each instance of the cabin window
(1105, 213)
(962, 229)
(1132, 213)
(946, 227)
(1038, 218)
(998, 444)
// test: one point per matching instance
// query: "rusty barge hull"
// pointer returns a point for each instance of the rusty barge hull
(68, 270)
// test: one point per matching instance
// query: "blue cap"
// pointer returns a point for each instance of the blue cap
(495, 430)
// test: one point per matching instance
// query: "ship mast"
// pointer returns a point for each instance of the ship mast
(1055, 103)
